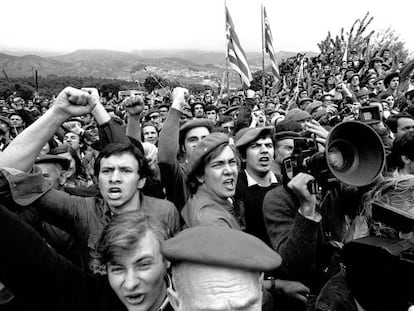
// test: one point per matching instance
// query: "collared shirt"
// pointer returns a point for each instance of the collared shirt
(251, 181)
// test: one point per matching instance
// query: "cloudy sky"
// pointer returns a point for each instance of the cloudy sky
(64, 26)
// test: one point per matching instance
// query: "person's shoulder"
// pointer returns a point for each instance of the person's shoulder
(156, 203)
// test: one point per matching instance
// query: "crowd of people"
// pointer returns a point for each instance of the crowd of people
(194, 201)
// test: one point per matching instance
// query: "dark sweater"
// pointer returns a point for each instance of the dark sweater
(250, 200)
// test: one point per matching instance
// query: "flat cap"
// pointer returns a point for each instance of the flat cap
(203, 148)
(232, 109)
(220, 246)
(252, 134)
(190, 124)
(304, 100)
(362, 92)
(313, 106)
(297, 114)
(50, 158)
(286, 135)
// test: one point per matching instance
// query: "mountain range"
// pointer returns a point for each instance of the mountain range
(190, 66)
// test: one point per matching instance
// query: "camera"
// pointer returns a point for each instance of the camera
(354, 154)
(369, 114)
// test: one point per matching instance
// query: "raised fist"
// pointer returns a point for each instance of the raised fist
(134, 105)
(73, 102)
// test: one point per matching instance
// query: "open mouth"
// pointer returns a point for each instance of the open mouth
(229, 183)
(264, 160)
(135, 299)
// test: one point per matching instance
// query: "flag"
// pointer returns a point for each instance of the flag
(235, 54)
(269, 46)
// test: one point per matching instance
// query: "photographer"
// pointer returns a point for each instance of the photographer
(307, 230)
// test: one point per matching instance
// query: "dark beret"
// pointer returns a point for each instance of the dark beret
(297, 114)
(231, 109)
(252, 134)
(222, 247)
(203, 148)
(286, 135)
(304, 100)
(361, 92)
(55, 159)
(354, 75)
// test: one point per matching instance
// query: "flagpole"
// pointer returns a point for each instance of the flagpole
(263, 48)
(227, 52)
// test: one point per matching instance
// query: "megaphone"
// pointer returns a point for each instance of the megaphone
(354, 153)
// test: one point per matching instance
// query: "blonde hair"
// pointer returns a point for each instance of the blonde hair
(397, 192)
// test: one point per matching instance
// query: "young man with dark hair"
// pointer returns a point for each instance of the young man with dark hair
(121, 171)
(175, 146)
(400, 123)
(257, 153)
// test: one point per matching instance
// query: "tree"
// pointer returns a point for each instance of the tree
(366, 43)
(109, 89)
(153, 82)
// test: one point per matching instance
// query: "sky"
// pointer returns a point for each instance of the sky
(126, 25)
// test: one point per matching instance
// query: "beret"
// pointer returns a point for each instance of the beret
(354, 75)
(376, 59)
(313, 106)
(50, 158)
(163, 105)
(252, 134)
(190, 124)
(304, 100)
(317, 84)
(6, 120)
(203, 148)
(152, 110)
(297, 114)
(286, 135)
(231, 109)
(220, 246)
(361, 92)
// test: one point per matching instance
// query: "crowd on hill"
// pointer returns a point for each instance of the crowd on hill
(275, 200)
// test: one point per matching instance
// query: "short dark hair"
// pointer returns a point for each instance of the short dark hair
(403, 145)
(210, 108)
(392, 121)
(118, 149)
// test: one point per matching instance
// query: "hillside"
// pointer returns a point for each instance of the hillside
(187, 66)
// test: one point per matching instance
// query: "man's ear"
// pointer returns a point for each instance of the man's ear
(62, 178)
(200, 179)
(141, 183)
(174, 299)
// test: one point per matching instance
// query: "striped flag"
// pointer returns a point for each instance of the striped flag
(235, 54)
(269, 46)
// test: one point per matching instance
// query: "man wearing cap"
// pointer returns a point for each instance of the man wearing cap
(299, 116)
(175, 141)
(163, 108)
(362, 97)
(215, 268)
(256, 149)
(155, 117)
